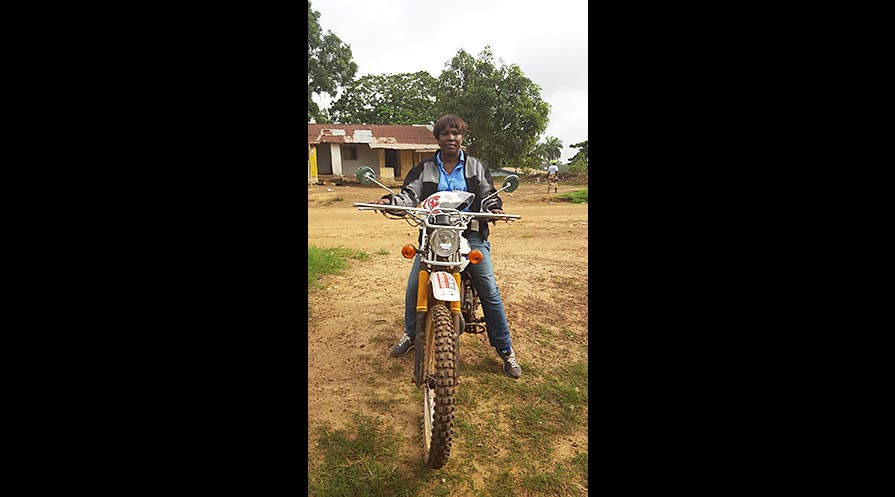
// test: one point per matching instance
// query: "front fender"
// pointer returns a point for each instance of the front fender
(444, 286)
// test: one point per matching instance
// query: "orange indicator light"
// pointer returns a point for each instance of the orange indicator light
(475, 257)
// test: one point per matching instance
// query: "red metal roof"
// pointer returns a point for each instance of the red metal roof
(376, 135)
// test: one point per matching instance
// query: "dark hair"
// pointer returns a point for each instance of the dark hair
(449, 121)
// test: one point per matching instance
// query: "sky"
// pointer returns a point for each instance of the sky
(547, 40)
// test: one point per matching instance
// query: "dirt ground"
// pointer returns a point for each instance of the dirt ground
(541, 268)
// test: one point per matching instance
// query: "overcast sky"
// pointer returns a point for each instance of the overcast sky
(547, 40)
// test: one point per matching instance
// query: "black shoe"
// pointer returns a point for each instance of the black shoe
(510, 364)
(403, 346)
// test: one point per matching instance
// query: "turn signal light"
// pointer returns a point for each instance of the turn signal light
(475, 257)
(408, 251)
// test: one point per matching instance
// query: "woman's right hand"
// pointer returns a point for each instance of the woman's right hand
(382, 201)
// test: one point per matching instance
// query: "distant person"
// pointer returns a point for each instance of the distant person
(552, 176)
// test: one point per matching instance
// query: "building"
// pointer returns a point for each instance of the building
(335, 151)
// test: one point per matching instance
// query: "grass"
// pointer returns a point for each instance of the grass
(358, 464)
(382, 404)
(331, 200)
(511, 451)
(329, 261)
(576, 197)
(565, 281)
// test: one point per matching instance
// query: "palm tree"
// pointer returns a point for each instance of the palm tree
(551, 148)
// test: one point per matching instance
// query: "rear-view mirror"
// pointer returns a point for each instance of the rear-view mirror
(365, 175)
(510, 183)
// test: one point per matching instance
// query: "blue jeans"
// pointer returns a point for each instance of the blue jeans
(486, 287)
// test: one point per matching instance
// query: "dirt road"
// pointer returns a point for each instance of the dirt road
(541, 267)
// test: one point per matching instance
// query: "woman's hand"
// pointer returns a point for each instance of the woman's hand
(498, 211)
(382, 201)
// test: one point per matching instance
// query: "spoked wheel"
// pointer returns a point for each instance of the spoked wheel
(439, 366)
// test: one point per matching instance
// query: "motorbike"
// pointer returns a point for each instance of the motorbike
(447, 303)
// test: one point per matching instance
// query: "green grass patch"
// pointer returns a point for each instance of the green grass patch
(567, 333)
(329, 261)
(550, 404)
(474, 437)
(359, 464)
(561, 478)
(331, 200)
(578, 466)
(552, 483)
(576, 197)
(555, 406)
(507, 435)
(384, 404)
(567, 388)
(558, 481)
(502, 484)
(533, 424)
(565, 281)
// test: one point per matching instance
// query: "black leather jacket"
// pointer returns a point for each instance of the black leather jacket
(422, 181)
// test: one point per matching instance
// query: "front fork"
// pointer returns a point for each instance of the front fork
(422, 310)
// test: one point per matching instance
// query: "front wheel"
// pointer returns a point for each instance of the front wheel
(439, 382)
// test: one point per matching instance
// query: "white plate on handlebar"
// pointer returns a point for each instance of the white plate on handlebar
(444, 286)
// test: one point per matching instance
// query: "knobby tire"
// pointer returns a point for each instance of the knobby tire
(439, 367)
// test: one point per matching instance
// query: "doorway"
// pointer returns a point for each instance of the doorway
(391, 160)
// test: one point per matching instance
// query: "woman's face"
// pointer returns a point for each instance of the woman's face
(450, 140)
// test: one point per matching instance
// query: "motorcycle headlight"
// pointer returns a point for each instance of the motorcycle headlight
(445, 242)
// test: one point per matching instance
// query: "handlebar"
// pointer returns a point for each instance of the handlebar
(395, 209)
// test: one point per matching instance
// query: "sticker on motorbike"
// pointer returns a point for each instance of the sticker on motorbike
(444, 286)
(448, 200)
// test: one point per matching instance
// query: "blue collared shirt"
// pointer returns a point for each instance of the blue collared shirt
(454, 181)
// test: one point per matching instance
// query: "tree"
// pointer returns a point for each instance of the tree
(542, 152)
(406, 98)
(552, 148)
(579, 161)
(533, 160)
(330, 63)
(502, 107)
(536, 157)
(582, 150)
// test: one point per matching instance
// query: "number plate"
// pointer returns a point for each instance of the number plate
(444, 286)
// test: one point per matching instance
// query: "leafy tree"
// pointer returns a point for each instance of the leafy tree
(405, 98)
(538, 156)
(579, 161)
(582, 151)
(330, 63)
(533, 160)
(502, 107)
